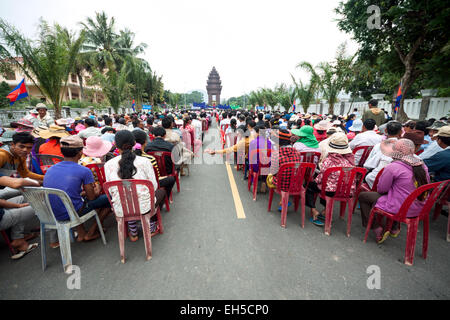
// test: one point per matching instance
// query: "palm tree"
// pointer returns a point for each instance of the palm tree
(47, 61)
(306, 92)
(332, 77)
(101, 42)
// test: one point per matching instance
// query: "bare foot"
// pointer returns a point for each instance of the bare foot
(89, 237)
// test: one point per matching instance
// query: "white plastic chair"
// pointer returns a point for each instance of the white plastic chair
(39, 201)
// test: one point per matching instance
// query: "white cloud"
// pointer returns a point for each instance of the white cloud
(251, 43)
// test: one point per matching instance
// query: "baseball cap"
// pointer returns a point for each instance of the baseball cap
(72, 142)
(443, 132)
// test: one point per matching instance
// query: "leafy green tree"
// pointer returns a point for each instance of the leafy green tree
(415, 32)
(47, 61)
(4, 91)
(114, 85)
(306, 92)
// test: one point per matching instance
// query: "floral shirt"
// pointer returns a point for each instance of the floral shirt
(331, 161)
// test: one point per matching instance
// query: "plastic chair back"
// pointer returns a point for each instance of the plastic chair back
(365, 154)
(438, 189)
(99, 170)
(299, 175)
(38, 198)
(346, 179)
(311, 157)
(161, 159)
(377, 178)
(128, 195)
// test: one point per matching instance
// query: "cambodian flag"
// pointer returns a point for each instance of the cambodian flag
(293, 106)
(132, 105)
(399, 98)
(18, 93)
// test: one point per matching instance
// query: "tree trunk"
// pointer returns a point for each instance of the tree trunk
(408, 79)
(80, 80)
(57, 112)
(331, 108)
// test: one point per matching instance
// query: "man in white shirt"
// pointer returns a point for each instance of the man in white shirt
(226, 120)
(377, 160)
(197, 124)
(91, 129)
(368, 137)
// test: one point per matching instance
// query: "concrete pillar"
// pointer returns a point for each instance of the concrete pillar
(70, 93)
(427, 94)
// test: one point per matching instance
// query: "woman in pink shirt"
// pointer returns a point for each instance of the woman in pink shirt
(398, 180)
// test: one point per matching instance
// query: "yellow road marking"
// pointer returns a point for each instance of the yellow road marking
(237, 200)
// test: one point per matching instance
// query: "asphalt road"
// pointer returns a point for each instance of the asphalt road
(206, 252)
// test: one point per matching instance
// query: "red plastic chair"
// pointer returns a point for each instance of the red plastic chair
(366, 152)
(260, 157)
(365, 187)
(419, 152)
(99, 170)
(160, 157)
(347, 177)
(412, 223)
(222, 138)
(311, 157)
(166, 201)
(440, 202)
(8, 242)
(48, 160)
(301, 175)
(132, 212)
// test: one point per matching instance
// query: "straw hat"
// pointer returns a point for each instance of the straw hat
(307, 116)
(36, 131)
(62, 122)
(323, 125)
(54, 131)
(338, 143)
(96, 147)
(401, 149)
(356, 125)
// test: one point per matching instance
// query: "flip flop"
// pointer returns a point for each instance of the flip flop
(30, 248)
(317, 222)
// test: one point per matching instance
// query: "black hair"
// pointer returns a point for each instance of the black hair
(125, 141)
(107, 129)
(393, 128)
(422, 126)
(159, 132)
(122, 121)
(233, 124)
(259, 127)
(411, 125)
(166, 123)
(373, 102)
(135, 123)
(89, 122)
(251, 123)
(369, 124)
(22, 137)
(260, 116)
(443, 119)
(150, 121)
(307, 122)
(108, 121)
(351, 116)
(445, 140)
(69, 152)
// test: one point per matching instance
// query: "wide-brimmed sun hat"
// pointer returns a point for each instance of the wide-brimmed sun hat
(23, 125)
(356, 126)
(96, 147)
(401, 149)
(36, 131)
(338, 143)
(437, 125)
(62, 122)
(416, 136)
(54, 131)
(323, 125)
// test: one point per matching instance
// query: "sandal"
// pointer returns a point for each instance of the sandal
(317, 222)
(394, 233)
(30, 248)
(54, 245)
(133, 238)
